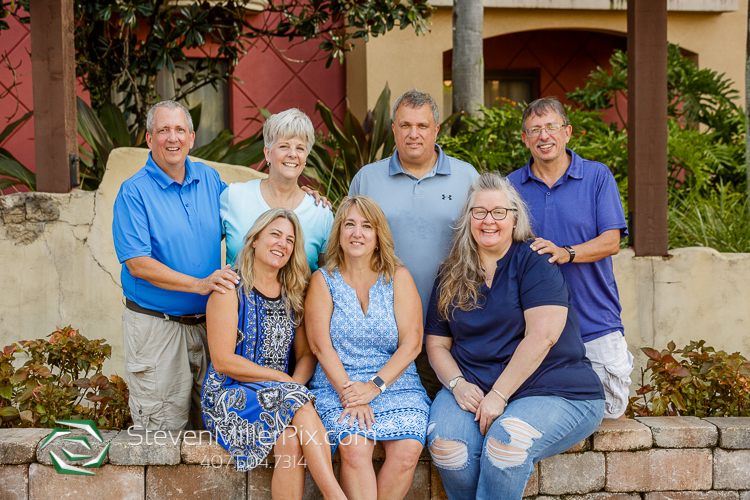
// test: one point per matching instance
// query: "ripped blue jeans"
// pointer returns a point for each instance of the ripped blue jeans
(499, 465)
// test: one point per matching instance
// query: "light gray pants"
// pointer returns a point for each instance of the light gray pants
(165, 364)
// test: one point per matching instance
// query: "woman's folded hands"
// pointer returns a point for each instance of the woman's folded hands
(361, 413)
(468, 395)
(357, 393)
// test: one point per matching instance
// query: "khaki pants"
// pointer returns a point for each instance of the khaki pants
(165, 364)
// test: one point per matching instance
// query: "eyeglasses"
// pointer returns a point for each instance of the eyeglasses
(497, 213)
(551, 128)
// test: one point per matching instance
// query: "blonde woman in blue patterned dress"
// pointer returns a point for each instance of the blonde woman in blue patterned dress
(250, 402)
(364, 321)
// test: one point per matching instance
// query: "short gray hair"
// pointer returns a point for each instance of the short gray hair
(541, 107)
(170, 105)
(286, 125)
(416, 99)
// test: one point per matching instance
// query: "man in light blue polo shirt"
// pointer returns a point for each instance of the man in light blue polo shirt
(167, 234)
(578, 218)
(420, 190)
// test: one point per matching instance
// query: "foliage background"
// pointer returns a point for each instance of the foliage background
(708, 203)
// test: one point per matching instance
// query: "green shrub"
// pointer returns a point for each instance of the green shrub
(705, 383)
(58, 376)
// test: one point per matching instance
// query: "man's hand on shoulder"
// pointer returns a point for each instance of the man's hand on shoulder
(220, 281)
(557, 254)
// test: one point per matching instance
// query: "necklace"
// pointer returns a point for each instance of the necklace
(488, 277)
(276, 202)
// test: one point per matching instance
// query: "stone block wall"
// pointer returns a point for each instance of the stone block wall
(658, 458)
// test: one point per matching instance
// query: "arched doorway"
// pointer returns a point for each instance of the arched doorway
(530, 64)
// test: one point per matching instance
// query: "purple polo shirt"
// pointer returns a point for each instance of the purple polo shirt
(582, 204)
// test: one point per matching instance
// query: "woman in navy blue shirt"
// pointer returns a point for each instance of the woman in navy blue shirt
(505, 342)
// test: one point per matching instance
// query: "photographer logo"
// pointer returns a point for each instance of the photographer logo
(80, 441)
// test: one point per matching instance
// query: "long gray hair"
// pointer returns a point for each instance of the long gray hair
(461, 274)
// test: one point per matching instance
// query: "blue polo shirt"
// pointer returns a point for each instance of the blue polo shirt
(420, 212)
(485, 339)
(176, 224)
(581, 205)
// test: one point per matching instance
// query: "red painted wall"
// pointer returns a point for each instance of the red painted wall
(270, 80)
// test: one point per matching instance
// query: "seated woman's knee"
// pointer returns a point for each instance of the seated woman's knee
(355, 450)
(515, 452)
(404, 453)
(449, 454)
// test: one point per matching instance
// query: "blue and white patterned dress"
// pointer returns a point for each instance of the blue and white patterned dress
(365, 344)
(246, 418)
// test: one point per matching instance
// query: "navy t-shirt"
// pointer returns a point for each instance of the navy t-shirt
(485, 339)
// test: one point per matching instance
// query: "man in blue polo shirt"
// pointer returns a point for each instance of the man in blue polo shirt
(578, 218)
(421, 191)
(167, 234)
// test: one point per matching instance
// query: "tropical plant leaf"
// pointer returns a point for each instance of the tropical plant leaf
(10, 167)
(14, 125)
(247, 156)
(216, 149)
(195, 115)
(381, 124)
(93, 132)
(114, 123)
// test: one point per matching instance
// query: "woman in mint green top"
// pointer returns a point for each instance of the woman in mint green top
(288, 137)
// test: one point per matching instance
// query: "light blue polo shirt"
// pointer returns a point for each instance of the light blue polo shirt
(581, 205)
(420, 212)
(175, 224)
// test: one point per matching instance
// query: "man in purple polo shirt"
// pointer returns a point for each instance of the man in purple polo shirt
(578, 218)
(167, 234)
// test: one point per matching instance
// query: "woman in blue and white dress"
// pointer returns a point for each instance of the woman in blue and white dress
(364, 320)
(250, 402)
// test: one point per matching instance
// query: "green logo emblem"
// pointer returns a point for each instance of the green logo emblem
(64, 468)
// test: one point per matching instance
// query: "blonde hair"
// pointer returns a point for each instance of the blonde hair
(295, 273)
(461, 274)
(384, 260)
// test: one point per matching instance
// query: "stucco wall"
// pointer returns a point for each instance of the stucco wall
(405, 60)
(60, 268)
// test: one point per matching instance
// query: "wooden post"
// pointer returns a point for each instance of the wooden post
(647, 127)
(54, 80)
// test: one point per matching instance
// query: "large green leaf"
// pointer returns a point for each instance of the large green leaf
(9, 412)
(12, 126)
(195, 115)
(114, 123)
(93, 132)
(249, 155)
(216, 149)
(381, 126)
(12, 168)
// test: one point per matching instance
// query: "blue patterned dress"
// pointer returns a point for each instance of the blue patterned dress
(365, 344)
(246, 418)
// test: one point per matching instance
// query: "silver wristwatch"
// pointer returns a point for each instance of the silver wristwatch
(379, 383)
